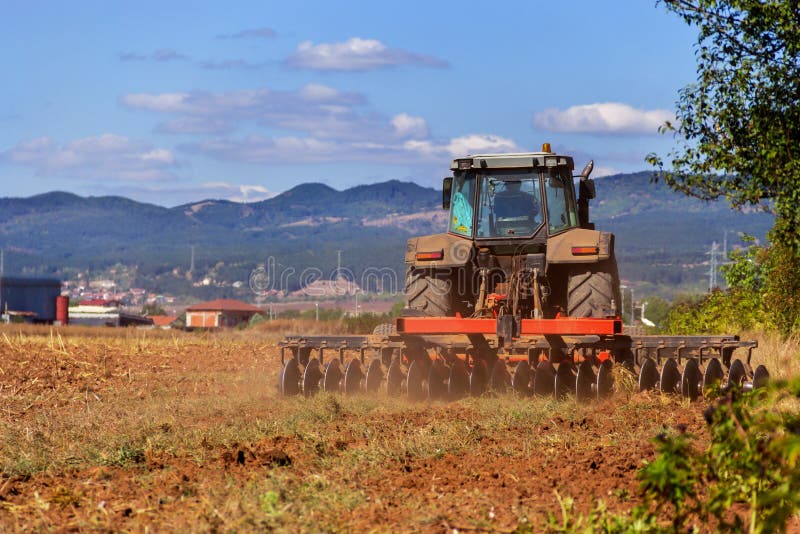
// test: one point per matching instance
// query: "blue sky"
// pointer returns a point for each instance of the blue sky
(172, 102)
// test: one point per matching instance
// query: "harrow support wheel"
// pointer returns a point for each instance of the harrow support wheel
(333, 377)
(458, 381)
(500, 379)
(605, 380)
(415, 387)
(311, 377)
(713, 375)
(670, 377)
(374, 376)
(394, 378)
(289, 378)
(437, 380)
(352, 377)
(521, 380)
(478, 378)
(736, 374)
(585, 382)
(648, 375)
(691, 380)
(565, 380)
(544, 379)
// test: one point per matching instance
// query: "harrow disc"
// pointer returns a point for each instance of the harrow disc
(289, 378)
(311, 377)
(690, 380)
(394, 378)
(544, 379)
(585, 382)
(648, 375)
(500, 380)
(333, 377)
(670, 377)
(712, 375)
(374, 375)
(521, 380)
(437, 380)
(352, 377)
(414, 382)
(478, 378)
(458, 381)
(605, 380)
(565, 380)
(736, 374)
(760, 377)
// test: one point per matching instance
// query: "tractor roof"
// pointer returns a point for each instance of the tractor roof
(521, 160)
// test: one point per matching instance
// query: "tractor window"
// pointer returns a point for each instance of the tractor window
(509, 205)
(461, 202)
(561, 212)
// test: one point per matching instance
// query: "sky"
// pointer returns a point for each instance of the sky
(174, 102)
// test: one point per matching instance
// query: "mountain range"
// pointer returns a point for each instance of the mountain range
(662, 237)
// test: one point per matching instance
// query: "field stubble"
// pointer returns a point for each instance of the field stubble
(131, 430)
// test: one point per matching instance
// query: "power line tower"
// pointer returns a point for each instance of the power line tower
(713, 266)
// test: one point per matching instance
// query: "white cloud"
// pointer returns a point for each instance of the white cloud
(406, 126)
(286, 150)
(101, 157)
(317, 109)
(608, 117)
(355, 54)
(262, 33)
(232, 192)
(161, 55)
(461, 146)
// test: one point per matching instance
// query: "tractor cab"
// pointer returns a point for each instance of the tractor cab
(512, 196)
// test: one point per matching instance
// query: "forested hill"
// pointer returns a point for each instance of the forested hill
(662, 236)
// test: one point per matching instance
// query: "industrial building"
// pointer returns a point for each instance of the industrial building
(31, 299)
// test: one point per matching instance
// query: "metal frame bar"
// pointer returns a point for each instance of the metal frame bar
(566, 326)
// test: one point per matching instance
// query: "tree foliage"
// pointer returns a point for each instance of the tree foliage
(738, 125)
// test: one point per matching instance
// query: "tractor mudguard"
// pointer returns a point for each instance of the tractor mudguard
(580, 245)
(439, 250)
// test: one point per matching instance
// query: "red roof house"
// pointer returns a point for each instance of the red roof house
(220, 312)
(163, 321)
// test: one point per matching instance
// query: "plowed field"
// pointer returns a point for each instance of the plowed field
(130, 431)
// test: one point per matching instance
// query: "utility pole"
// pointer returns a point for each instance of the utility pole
(2, 266)
(191, 265)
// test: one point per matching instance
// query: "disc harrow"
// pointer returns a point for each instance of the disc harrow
(450, 367)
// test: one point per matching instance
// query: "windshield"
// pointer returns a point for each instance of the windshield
(509, 205)
(461, 202)
(561, 212)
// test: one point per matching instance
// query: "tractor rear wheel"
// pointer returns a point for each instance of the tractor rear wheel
(429, 291)
(593, 289)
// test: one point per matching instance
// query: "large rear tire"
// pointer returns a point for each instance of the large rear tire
(428, 291)
(593, 289)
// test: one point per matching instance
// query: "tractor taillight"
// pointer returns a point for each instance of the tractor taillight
(430, 256)
(585, 251)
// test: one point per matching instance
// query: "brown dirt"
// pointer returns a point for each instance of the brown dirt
(133, 431)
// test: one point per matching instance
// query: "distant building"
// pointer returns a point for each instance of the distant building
(105, 316)
(218, 313)
(34, 299)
